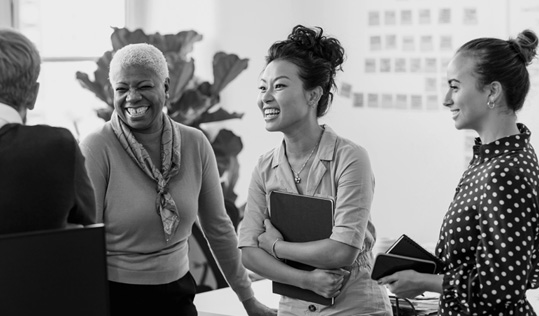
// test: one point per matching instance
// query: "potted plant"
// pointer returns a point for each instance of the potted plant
(192, 101)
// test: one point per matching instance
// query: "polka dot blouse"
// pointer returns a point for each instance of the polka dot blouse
(489, 240)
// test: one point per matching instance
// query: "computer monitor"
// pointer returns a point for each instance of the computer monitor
(54, 272)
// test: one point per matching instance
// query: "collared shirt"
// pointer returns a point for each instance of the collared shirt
(489, 239)
(9, 115)
(341, 171)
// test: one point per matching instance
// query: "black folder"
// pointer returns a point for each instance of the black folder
(406, 246)
(405, 254)
(301, 218)
(387, 264)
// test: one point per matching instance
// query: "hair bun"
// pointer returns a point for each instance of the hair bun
(304, 36)
(322, 46)
(526, 45)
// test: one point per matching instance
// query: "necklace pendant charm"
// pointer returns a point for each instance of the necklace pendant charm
(297, 179)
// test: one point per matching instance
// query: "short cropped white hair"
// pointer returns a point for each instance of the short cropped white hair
(141, 54)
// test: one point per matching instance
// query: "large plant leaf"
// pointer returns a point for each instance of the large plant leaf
(189, 107)
(101, 91)
(180, 72)
(227, 143)
(226, 67)
(103, 63)
(205, 88)
(105, 113)
(101, 77)
(218, 115)
(121, 37)
(100, 86)
(182, 42)
(86, 83)
(158, 41)
(226, 147)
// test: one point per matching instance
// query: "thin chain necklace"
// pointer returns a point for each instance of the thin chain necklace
(297, 178)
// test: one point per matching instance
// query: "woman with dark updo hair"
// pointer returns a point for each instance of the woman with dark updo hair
(295, 90)
(489, 239)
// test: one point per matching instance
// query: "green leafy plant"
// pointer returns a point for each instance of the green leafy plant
(192, 101)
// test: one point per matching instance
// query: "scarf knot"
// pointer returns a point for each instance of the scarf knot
(170, 161)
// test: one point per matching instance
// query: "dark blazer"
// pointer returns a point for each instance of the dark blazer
(43, 180)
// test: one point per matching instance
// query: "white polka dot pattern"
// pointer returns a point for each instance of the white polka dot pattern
(489, 240)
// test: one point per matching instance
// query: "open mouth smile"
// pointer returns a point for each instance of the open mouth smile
(271, 113)
(137, 112)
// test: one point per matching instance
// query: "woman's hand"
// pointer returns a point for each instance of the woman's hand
(327, 283)
(254, 308)
(266, 239)
(407, 283)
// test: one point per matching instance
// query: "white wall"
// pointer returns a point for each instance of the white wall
(417, 155)
(6, 20)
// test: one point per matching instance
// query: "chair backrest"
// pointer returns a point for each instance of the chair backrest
(54, 272)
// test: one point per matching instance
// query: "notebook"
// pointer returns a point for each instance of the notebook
(386, 264)
(301, 218)
(406, 246)
(405, 254)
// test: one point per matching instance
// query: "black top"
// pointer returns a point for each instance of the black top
(489, 240)
(43, 180)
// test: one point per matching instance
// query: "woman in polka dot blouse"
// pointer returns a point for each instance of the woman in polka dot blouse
(489, 240)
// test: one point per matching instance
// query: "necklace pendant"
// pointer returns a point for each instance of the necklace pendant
(297, 179)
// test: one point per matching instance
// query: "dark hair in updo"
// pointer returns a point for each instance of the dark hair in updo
(318, 58)
(504, 61)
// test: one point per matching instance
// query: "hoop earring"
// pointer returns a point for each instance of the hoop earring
(491, 104)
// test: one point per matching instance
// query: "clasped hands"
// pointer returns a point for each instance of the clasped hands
(325, 282)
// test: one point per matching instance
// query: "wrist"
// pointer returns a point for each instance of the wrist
(305, 279)
(273, 252)
(248, 301)
(433, 283)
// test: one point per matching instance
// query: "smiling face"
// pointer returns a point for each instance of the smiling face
(282, 98)
(467, 103)
(139, 97)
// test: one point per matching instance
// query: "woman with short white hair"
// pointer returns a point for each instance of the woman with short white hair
(153, 177)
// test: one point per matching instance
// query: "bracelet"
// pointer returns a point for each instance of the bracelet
(273, 249)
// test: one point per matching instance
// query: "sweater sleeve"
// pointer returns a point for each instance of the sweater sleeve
(84, 211)
(218, 227)
(95, 162)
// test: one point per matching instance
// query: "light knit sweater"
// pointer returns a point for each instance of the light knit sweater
(126, 197)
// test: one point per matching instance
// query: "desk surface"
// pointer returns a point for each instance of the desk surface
(225, 302)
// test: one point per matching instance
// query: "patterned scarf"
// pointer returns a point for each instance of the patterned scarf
(170, 161)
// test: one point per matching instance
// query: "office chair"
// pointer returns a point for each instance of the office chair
(54, 272)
